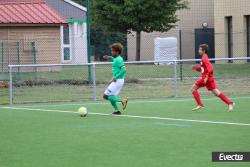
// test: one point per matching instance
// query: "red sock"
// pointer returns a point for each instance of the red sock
(225, 99)
(197, 97)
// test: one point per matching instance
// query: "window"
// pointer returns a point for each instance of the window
(66, 34)
(66, 53)
(248, 35)
(229, 37)
(80, 29)
(66, 42)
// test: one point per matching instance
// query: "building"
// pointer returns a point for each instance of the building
(29, 33)
(227, 31)
(42, 32)
(74, 34)
(189, 30)
(232, 28)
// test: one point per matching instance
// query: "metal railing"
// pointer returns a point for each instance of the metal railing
(145, 79)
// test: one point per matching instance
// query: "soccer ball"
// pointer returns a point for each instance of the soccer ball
(83, 111)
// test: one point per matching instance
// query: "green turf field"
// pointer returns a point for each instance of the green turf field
(53, 135)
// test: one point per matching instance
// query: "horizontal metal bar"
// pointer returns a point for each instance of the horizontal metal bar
(49, 65)
(129, 62)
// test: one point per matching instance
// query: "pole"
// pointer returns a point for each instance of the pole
(88, 38)
(10, 85)
(2, 57)
(34, 51)
(175, 79)
(94, 81)
(34, 56)
(18, 58)
(180, 43)
(18, 53)
(248, 37)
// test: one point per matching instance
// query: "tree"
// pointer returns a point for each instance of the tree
(137, 15)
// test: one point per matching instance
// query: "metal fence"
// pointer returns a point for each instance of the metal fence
(16, 52)
(48, 49)
(145, 79)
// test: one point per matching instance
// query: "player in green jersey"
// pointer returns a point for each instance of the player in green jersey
(118, 71)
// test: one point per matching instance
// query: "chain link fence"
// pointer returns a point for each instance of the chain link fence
(101, 41)
(49, 47)
(55, 83)
(14, 52)
(144, 80)
(232, 77)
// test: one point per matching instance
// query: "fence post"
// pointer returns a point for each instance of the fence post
(88, 4)
(18, 54)
(2, 56)
(94, 80)
(11, 86)
(33, 44)
(18, 58)
(175, 84)
(180, 43)
(34, 51)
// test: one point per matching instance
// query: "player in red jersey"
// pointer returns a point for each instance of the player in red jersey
(207, 80)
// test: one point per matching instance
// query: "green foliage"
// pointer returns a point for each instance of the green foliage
(137, 15)
(102, 40)
(132, 15)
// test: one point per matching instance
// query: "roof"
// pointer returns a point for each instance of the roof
(76, 5)
(68, 9)
(28, 12)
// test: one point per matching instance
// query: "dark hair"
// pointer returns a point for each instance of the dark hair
(117, 47)
(204, 47)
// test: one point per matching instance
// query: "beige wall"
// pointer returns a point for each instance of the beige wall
(48, 44)
(200, 11)
(237, 9)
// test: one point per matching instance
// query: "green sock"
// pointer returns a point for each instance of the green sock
(114, 98)
(114, 105)
(113, 101)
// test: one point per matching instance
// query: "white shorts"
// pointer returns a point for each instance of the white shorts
(114, 88)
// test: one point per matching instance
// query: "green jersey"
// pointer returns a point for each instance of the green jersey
(118, 67)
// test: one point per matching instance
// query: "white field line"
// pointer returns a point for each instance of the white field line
(135, 116)
(132, 102)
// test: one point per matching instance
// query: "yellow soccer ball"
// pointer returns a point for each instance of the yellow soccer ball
(83, 111)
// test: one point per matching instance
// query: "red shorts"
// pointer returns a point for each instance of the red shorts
(210, 85)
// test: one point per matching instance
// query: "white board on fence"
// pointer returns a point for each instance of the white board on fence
(165, 49)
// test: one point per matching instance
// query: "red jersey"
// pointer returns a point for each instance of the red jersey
(206, 68)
